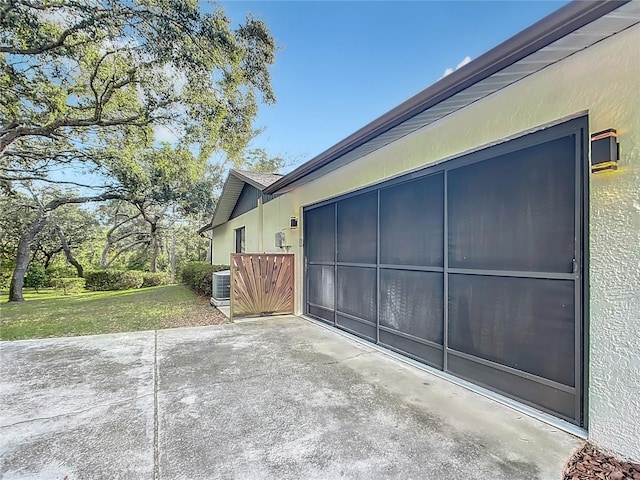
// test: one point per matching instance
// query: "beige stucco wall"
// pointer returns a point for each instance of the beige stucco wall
(603, 81)
(260, 230)
(224, 242)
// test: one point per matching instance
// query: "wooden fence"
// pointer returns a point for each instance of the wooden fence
(261, 284)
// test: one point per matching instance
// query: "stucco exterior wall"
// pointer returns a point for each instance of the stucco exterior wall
(224, 242)
(603, 81)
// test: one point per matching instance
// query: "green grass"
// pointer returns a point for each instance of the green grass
(51, 314)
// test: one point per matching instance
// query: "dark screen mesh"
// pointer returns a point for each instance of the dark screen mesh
(412, 223)
(516, 211)
(412, 302)
(524, 323)
(357, 228)
(321, 286)
(321, 313)
(320, 230)
(361, 329)
(357, 292)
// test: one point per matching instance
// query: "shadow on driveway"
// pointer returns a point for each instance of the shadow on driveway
(269, 399)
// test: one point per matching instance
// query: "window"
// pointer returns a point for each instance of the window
(240, 237)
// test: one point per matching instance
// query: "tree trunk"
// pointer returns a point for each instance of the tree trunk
(173, 256)
(67, 251)
(22, 258)
(155, 247)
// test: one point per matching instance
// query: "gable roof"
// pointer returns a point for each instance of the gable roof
(236, 180)
(566, 31)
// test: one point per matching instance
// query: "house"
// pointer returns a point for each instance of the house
(488, 227)
(241, 204)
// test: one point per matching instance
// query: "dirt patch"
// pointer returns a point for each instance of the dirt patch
(591, 464)
(202, 315)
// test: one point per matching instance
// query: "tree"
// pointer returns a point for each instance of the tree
(84, 84)
(125, 231)
(38, 219)
(258, 160)
(169, 181)
(68, 228)
(71, 71)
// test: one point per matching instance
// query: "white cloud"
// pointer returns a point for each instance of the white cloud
(462, 63)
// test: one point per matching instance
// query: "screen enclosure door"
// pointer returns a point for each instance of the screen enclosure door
(473, 267)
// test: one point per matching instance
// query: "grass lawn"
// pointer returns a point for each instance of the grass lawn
(50, 314)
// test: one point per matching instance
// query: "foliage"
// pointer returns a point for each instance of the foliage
(199, 276)
(105, 280)
(68, 285)
(36, 276)
(150, 279)
(108, 70)
(50, 314)
(14, 216)
(258, 160)
(86, 87)
(5, 274)
(59, 271)
(78, 223)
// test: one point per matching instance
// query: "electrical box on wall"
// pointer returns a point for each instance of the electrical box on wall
(280, 240)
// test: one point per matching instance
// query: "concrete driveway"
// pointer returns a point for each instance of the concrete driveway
(276, 398)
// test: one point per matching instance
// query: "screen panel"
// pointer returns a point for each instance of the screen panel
(531, 392)
(515, 211)
(425, 353)
(321, 313)
(357, 228)
(357, 292)
(412, 223)
(524, 323)
(321, 286)
(413, 302)
(365, 330)
(320, 234)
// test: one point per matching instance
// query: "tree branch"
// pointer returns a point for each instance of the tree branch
(58, 202)
(122, 250)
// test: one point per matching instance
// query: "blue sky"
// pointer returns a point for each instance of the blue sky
(343, 64)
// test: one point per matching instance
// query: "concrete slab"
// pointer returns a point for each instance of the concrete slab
(268, 399)
(225, 310)
(284, 398)
(77, 407)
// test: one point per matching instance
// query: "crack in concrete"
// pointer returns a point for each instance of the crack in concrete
(156, 450)
(334, 362)
(77, 412)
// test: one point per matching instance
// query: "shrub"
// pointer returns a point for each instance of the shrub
(36, 276)
(68, 285)
(103, 280)
(130, 279)
(198, 276)
(66, 271)
(155, 279)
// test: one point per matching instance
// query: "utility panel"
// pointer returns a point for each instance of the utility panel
(280, 240)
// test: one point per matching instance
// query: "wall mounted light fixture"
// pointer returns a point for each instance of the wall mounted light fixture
(293, 223)
(605, 150)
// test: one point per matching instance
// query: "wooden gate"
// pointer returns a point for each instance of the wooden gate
(261, 284)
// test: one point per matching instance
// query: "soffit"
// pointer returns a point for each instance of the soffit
(625, 16)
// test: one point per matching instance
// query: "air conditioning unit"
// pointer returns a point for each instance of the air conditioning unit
(221, 288)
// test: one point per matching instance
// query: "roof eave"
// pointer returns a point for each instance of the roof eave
(542, 33)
